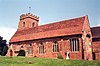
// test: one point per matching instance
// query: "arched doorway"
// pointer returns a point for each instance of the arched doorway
(21, 53)
(11, 53)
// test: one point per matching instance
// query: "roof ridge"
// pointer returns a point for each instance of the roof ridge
(95, 27)
(65, 20)
(54, 23)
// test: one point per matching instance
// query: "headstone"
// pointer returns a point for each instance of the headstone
(67, 55)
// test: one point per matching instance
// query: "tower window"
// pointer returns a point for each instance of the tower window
(33, 24)
(23, 24)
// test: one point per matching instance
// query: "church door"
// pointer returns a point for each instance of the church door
(11, 53)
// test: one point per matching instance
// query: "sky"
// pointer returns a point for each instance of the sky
(48, 11)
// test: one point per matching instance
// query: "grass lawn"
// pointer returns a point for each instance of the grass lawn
(22, 61)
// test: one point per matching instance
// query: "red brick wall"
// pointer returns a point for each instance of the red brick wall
(78, 54)
(87, 41)
(97, 56)
(96, 49)
(64, 46)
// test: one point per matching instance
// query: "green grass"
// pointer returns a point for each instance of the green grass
(22, 61)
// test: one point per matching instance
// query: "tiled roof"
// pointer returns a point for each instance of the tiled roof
(95, 32)
(61, 28)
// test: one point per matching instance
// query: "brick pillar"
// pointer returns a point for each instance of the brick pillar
(89, 52)
(81, 47)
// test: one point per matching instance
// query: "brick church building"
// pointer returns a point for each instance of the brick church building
(72, 39)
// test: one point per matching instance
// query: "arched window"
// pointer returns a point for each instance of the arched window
(41, 48)
(88, 36)
(30, 49)
(21, 47)
(55, 47)
(74, 44)
(30, 44)
(33, 24)
(23, 24)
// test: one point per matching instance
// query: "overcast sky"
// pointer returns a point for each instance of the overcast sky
(48, 10)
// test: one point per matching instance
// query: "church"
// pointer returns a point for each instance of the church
(72, 39)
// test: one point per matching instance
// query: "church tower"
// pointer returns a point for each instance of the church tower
(28, 21)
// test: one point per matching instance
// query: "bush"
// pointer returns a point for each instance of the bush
(60, 56)
(4, 51)
(21, 53)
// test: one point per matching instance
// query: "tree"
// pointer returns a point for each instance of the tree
(3, 47)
